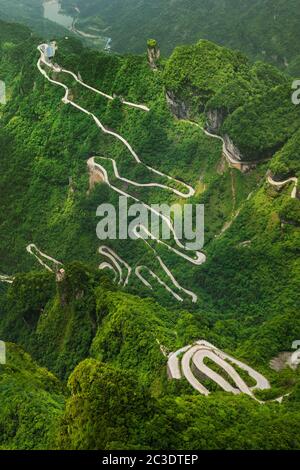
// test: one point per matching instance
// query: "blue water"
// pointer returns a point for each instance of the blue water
(52, 12)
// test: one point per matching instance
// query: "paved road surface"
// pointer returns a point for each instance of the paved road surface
(280, 184)
(192, 367)
(199, 258)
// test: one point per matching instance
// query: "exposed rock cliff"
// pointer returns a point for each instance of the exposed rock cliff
(153, 53)
(177, 107)
(232, 149)
(215, 118)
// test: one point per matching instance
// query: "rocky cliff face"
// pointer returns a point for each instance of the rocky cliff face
(153, 54)
(177, 107)
(215, 118)
(232, 149)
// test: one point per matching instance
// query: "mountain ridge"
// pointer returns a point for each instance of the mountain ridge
(110, 344)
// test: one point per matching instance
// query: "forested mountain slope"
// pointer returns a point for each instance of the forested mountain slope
(46, 145)
(87, 329)
(30, 13)
(119, 396)
(264, 29)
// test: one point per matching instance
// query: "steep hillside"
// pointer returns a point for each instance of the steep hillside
(250, 105)
(203, 126)
(118, 395)
(264, 29)
(46, 145)
(30, 13)
(32, 403)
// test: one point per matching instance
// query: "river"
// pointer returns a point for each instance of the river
(52, 12)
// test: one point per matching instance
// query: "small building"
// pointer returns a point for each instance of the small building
(50, 53)
(50, 50)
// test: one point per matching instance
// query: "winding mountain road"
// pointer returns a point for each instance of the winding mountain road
(116, 261)
(7, 279)
(281, 184)
(192, 367)
(106, 265)
(99, 92)
(229, 157)
(199, 257)
(33, 250)
(198, 360)
(39, 255)
(138, 270)
(191, 191)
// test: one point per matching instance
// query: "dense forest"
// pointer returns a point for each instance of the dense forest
(30, 13)
(264, 29)
(85, 368)
(110, 389)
